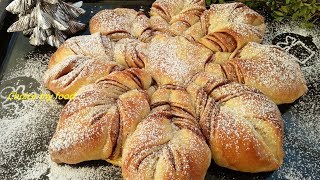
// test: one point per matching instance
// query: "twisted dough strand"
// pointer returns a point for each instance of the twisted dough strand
(267, 68)
(244, 128)
(229, 27)
(164, 137)
(98, 121)
(121, 23)
(94, 46)
(222, 28)
(168, 144)
(76, 71)
(175, 17)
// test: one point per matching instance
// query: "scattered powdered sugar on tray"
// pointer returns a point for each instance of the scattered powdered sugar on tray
(24, 138)
(301, 140)
(43, 166)
(29, 132)
(276, 28)
(33, 65)
(301, 119)
(311, 72)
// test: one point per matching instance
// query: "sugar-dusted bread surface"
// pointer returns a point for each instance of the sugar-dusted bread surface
(97, 122)
(243, 127)
(167, 94)
(168, 144)
(272, 70)
(121, 23)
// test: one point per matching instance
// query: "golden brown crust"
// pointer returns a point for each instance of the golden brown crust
(168, 144)
(175, 17)
(167, 136)
(121, 23)
(80, 61)
(130, 53)
(98, 121)
(244, 128)
(229, 27)
(248, 142)
(61, 53)
(94, 46)
(68, 76)
(271, 70)
(267, 68)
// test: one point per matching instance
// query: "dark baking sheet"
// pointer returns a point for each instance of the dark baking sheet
(24, 157)
(3, 4)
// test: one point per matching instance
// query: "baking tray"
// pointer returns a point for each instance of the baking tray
(27, 126)
(3, 4)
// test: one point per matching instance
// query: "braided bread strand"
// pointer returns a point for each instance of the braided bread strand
(243, 128)
(168, 144)
(98, 121)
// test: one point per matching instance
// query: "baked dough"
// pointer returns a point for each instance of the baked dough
(97, 122)
(229, 27)
(162, 96)
(94, 46)
(76, 71)
(80, 61)
(175, 17)
(174, 60)
(121, 23)
(168, 144)
(244, 128)
(268, 68)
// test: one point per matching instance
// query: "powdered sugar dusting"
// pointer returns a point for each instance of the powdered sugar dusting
(301, 139)
(270, 67)
(119, 23)
(311, 71)
(175, 17)
(164, 56)
(24, 138)
(174, 59)
(75, 132)
(301, 119)
(237, 19)
(38, 121)
(94, 46)
(165, 135)
(239, 120)
(43, 167)
(34, 124)
(77, 71)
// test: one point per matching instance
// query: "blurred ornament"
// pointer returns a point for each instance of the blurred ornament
(46, 21)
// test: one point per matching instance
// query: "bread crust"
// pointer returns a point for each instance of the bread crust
(243, 127)
(97, 122)
(121, 23)
(271, 70)
(161, 97)
(168, 144)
